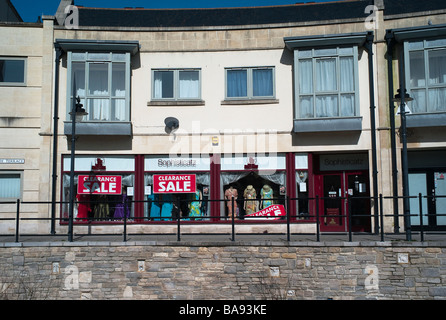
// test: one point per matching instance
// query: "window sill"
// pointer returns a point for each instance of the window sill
(175, 103)
(423, 120)
(99, 128)
(327, 124)
(249, 101)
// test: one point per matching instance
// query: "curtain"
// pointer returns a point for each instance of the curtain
(347, 78)
(327, 106)
(262, 82)
(418, 105)
(306, 107)
(189, 84)
(417, 70)
(237, 83)
(437, 76)
(305, 76)
(326, 75)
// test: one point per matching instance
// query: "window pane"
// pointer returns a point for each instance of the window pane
(417, 70)
(437, 100)
(347, 74)
(305, 76)
(78, 70)
(118, 80)
(118, 110)
(98, 79)
(189, 84)
(163, 84)
(326, 75)
(237, 83)
(10, 186)
(347, 105)
(99, 56)
(262, 82)
(12, 71)
(327, 106)
(437, 66)
(99, 109)
(325, 52)
(419, 101)
(306, 107)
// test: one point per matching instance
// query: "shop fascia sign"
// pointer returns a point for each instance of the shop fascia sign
(174, 183)
(103, 184)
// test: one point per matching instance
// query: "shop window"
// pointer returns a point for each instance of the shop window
(10, 186)
(178, 84)
(12, 71)
(167, 207)
(250, 83)
(252, 190)
(102, 82)
(426, 75)
(327, 83)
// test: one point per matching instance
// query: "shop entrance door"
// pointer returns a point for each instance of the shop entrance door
(344, 197)
(432, 186)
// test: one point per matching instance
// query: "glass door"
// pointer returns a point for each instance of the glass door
(333, 204)
(359, 201)
(439, 199)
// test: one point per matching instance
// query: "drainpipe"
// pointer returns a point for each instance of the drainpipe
(390, 46)
(58, 50)
(369, 47)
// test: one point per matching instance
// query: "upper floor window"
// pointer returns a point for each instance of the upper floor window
(102, 81)
(426, 75)
(12, 71)
(10, 185)
(327, 82)
(250, 83)
(176, 84)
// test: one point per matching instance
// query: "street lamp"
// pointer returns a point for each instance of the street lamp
(401, 99)
(77, 114)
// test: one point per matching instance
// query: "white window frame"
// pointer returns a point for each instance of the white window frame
(425, 48)
(176, 84)
(314, 56)
(88, 60)
(250, 86)
(16, 84)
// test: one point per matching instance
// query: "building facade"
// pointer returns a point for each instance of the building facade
(290, 106)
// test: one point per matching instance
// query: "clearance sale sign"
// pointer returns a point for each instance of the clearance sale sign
(174, 183)
(111, 185)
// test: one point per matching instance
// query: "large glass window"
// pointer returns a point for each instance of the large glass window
(250, 83)
(184, 84)
(327, 83)
(12, 71)
(426, 75)
(102, 81)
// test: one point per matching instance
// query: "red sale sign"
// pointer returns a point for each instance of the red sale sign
(111, 185)
(273, 212)
(174, 183)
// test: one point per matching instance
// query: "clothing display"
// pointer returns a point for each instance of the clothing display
(195, 206)
(83, 206)
(122, 208)
(154, 206)
(266, 195)
(101, 210)
(250, 196)
(230, 193)
(166, 206)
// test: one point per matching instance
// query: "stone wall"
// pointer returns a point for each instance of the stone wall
(234, 271)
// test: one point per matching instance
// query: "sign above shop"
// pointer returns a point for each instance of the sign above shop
(174, 183)
(335, 162)
(177, 164)
(108, 185)
(273, 212)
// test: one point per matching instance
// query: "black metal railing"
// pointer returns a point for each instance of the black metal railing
(315, 215)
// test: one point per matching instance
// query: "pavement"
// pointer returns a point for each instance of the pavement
(328, 239)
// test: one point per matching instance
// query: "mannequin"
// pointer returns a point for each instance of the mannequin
(195, 206)
(230, 193)
(250, 196)
(266, 193)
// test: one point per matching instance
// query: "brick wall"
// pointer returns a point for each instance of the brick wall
(389, 270)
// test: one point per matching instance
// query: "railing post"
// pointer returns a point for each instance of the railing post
(420, 201)
(287, 200)
(381, 216)
(125, 219)
(349, 219)
(17, 225)
(318, 236)
(232, 218)
(178, 221)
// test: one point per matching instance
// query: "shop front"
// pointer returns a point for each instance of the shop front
(342, 184)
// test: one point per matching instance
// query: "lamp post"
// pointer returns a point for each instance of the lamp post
(77, 114)
(401, 99)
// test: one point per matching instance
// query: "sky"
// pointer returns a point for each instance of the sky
(30, 10)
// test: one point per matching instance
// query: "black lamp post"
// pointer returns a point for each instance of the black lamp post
(77, 114)
(401, 99)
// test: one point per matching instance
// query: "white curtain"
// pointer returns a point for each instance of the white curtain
(99, 109)
(326, 75)
(189, 84)
(327, 106)
(437, 76)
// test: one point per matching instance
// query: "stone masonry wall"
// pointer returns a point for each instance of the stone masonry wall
(236, 271)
